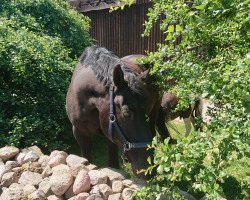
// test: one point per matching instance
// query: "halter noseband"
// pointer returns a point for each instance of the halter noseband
(114, 125)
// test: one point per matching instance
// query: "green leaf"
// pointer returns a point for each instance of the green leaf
(179, 28)
(169, 36)
(171, 28)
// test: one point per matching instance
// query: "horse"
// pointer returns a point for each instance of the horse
(169, 101)
(195, 114)
(106, 96)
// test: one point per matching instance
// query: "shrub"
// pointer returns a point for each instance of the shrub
(37, 57)
(212, 60)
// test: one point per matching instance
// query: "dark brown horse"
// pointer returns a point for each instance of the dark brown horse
(108, 97)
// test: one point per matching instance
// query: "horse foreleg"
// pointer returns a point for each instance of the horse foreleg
(161, 125)
(113, 160)
(162, 128)
(84, 143)
(187, 122)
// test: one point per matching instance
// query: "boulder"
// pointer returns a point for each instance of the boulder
(31, 178)
(127, 194)
(44, 185)
(43, 160)
(91, 167)
(117, 186)
(20, 157)
(82, 196)
(1, 162)
(36, 150)
(60, 180)
(30, 157)
(56, 152)
(28, 189)
(97, 177)
(12, 164)
(57, 160)
(75, 169)
(113, 174)
(105, 190)
(8, 179)
(127, 182)
(8, 152)
(95, 197)
(47, 171)
(4, 169)
(37, 195)
(117, 196)
(82, 182)
(69, 193)
(12, 193)
(76, 160)
(54, 197)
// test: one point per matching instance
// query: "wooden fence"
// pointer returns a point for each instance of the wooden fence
(121, 31)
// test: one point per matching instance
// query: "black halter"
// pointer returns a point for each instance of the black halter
(114, 125)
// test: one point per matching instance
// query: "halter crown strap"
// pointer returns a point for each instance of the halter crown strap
(114, 125)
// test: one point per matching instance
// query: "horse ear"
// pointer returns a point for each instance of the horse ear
(118, 76)
(147, 77)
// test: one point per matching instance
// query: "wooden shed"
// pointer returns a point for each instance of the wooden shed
(120, 31)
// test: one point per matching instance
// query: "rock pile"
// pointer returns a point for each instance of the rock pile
(29, 174)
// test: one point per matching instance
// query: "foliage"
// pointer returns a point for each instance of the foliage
(39, 41)
(211, 60)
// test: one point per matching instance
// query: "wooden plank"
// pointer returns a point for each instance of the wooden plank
(121, 30)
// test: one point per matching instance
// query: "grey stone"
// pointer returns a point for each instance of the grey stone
(117, 186)
(75, 169)
(82, 182)
(54, 197)
(43, 160)
(76, 160)
(47, 171)
(4, 169)
(95, 197)
(30, 157)
(28, 189)
(60, 180)
(20, 157)
(57, 160)
(12, 164)
(127, 194)
(69, 193)
(37, 195)
(11, 193)
(44, 185)
(8, 179)
(117, 196)
(8, 152)
(82, 196)
(105, 190)
(1, 162)
(97, 177)
(113, 174)
(31, 178)
(36, 150)
(91, 167)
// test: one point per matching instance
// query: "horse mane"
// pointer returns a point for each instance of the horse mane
(102, 62)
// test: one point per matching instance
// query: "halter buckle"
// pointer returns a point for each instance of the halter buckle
(112, 118)
(127, 146)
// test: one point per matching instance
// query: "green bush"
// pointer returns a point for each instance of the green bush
(212, 60)
(39, 43)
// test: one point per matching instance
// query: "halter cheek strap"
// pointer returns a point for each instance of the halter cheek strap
(115, 128)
